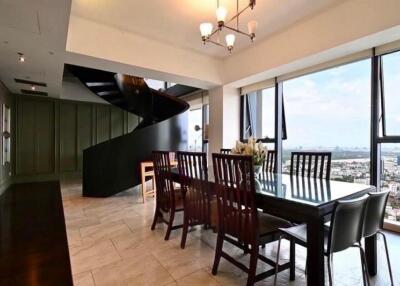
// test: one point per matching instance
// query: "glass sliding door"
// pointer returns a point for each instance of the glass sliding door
(330, 111)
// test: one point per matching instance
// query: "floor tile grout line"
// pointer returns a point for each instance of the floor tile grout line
(159, 262)
(91, 274)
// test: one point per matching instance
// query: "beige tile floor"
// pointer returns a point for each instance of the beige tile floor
(110, 243)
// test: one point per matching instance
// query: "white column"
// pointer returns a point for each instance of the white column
(224, 118)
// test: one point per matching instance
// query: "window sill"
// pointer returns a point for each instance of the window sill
(391, 225)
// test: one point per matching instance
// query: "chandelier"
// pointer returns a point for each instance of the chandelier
(207, 32)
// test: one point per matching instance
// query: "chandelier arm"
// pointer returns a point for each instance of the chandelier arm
(214, 32)
(238, 31)
(215, 43)
(237, 11)
(238, 14)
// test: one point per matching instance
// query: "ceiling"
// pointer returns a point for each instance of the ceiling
(177, 22)
(39, 31)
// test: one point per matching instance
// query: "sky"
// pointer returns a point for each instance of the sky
(331, 108)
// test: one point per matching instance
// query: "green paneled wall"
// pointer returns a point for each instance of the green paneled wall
(68, 137)
(51, 134)
(84, 132)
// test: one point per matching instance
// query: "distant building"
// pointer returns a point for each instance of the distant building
(361, 181)
(398, 160)
(393, 188)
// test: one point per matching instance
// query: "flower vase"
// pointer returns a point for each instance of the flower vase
(257, 170)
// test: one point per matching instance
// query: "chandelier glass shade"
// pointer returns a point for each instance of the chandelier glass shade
(206, 29)
(207, 32)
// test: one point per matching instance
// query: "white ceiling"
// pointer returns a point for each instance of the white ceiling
(177, 22)
(38, 29)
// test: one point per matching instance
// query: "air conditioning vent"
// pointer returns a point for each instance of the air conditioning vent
(34, 92)
(30, 82)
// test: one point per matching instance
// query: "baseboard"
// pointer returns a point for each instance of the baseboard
(35, 178)
(46, 177)
(70, 175)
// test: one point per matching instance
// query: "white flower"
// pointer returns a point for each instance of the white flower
(252, 148)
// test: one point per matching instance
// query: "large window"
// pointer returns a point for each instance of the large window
(391, 91)
(390, 179)
(390, 126)
(330, 111)
(259, 114)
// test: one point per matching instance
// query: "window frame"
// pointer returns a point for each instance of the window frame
(377, 122)
(245, 110)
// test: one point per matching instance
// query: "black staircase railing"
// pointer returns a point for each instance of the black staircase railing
(113, 166)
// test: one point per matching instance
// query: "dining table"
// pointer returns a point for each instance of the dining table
(305, 200)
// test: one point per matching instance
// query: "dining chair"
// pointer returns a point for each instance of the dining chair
(240, 223)
(225, 151)
(269, 163)
(311, 164)
(168, 199)
(373, 220)
(345, 231)
(199, 208)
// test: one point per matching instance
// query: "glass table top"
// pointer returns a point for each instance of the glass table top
(306, 190)
(302, 190)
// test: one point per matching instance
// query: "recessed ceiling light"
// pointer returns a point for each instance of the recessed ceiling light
(33, 87)
(5, 42)
(21, 57)
(51, 53)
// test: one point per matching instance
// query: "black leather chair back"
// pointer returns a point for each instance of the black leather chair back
(346, 224)
(374, 212)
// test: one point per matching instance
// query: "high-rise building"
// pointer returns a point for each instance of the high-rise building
(398, 160)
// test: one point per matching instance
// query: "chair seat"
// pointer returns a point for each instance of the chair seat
(269, 223)
(299, 233)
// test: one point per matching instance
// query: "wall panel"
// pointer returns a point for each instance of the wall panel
(132, 122)
(117, 122)
(44, 139)
(51, 134)
(85, 130)
(68, 137)
(25, 146)
(103, 124)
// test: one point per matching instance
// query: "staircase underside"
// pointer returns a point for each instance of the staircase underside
(114, 166)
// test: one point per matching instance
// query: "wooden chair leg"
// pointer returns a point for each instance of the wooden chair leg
(184, 231)
(218, 253)
(253, 266)
(292, 260)
(170, 224)
(277, 260)
(156, 215)
(143, 183)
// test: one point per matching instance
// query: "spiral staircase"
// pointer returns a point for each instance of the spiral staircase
(113, 166)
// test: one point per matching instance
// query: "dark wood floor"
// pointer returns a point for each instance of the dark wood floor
(33, 241)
